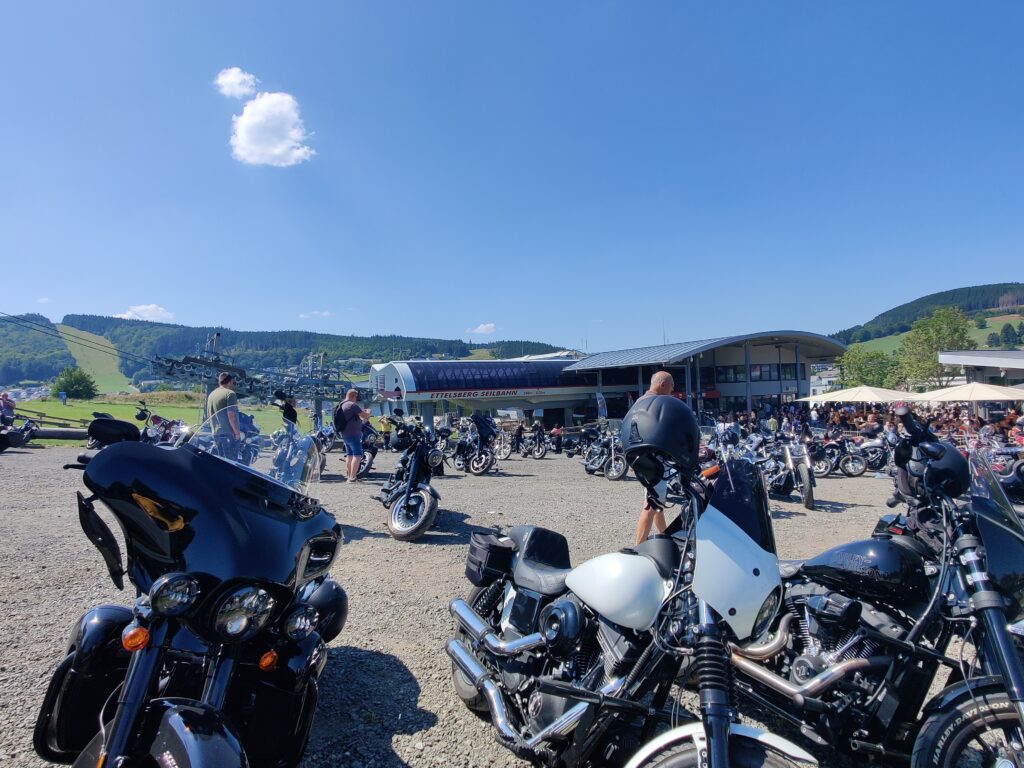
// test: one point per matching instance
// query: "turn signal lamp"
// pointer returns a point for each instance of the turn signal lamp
(134, 638)
(268, 661)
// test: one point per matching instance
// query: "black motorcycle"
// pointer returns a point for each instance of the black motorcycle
(605, 456)
(534, 445)
(217, 661)
(407, 495)
(784, 464)
(578, 446)
(868, 626)
(16, 437)
(474, 451)
(839, 454)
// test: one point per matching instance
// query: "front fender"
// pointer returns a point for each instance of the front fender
(695, 732)
(428, 489)
(183, 733)
(952, 695)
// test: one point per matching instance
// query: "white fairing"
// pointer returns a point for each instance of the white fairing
(625, 589)
(694, 732)
(733, 575)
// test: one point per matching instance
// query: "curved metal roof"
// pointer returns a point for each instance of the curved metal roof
(812, 344)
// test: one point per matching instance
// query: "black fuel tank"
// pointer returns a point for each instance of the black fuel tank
(874, 569)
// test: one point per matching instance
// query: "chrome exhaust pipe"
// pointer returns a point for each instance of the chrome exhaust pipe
(813, 687)
(770, 648)
(481, 633)
(475, 671)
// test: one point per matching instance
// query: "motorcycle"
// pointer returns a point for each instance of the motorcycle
(407, 495)
(534, 446)
(157, 429)
(474, 451)
(579, 446)
(503, 445)
(878, 452)
(867, 627)
(16, 437)
(1007, 463)
(784, 465)
(576, 666)
(837, 455)
(605, 455)
(217, 661)
(370, 441)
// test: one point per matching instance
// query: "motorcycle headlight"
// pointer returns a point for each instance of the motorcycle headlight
(173, 594)
(301, 622)
(435, 457)
(242, 613)
(764, 617)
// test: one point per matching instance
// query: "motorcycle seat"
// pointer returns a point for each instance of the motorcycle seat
(790, 568)
(543, 561)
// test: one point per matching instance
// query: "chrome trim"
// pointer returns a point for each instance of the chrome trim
(481, 633)
(475, 671)
(813, 687)
(770, 648)
(565, 725)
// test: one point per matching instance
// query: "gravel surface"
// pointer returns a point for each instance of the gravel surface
(386, 699)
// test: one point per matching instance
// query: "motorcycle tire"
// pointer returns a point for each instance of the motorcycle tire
(589, 470)
(615, 468)
(504, 451)
(475, 701)
(743, 753)
(328, 444)
(92, 444)
(822, 468)
(479, 464)
(404, 526)
(365, 465)
(949, 737)
(459, 462)
(806, 489)
(875, 458)
(540, 451)
(853, 465)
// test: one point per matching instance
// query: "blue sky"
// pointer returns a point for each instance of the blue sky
(569, 172)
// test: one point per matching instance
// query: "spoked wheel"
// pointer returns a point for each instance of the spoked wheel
(540, 451)
(410, 520)
(853, 465)
(822, 467)
(743, 753)
(480, 463)
(977, 733)
(504, 450)
(806, 490)
(615, 468)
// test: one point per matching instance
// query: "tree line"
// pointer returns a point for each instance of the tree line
(902, 318)
(26, 354)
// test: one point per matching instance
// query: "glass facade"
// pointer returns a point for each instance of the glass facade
(501, 374)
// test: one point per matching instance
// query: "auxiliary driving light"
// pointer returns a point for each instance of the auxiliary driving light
(301, 622)
(173, 594)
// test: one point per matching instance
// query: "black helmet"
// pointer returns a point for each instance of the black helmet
(660, 430)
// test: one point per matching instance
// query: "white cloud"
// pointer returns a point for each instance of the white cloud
(153, 312)
(315, 313)
(236, 83)
(43, 300)
(270, 132)
(482, 328)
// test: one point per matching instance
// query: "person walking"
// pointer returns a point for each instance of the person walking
(662, 383)
(222, 412)
(348, 418)
(385, 433)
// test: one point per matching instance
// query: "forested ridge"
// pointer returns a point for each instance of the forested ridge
(975, 298)
(28, 354)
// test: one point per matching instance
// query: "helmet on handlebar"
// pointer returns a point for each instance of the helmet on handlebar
(947, 472)
(660, 430)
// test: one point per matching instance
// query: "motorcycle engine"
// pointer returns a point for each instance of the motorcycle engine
(829, 627)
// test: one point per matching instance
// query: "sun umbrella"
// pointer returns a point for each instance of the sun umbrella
(974, 392)
(860, 395)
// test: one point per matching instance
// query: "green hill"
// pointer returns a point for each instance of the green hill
(102, 366)
(30, 349)
(975, 298)
(275, 349)
(979, 335)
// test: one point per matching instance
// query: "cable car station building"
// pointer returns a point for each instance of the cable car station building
(732, 373)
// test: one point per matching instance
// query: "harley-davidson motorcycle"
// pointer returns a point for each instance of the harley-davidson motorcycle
(575, 666)
(16, 437)
(784, 464)
(837, 455)
(408, 496)
(605, 456)
(216, 663)
(474, 451)
(867, 627)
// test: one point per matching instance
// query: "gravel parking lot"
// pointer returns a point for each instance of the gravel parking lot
(385, 698)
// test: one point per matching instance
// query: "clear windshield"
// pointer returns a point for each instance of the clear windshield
(287, 455)
(987, 491)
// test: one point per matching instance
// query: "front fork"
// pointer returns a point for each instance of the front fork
(714, 684)
(988, 605)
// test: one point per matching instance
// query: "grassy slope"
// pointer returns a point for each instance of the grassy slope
(979, 335)
(101, 366)
(478, 354)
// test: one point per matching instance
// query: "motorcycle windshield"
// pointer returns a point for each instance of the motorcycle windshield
(288, 456)
(1002, 532)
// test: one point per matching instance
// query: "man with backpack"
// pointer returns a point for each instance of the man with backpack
(348, 419)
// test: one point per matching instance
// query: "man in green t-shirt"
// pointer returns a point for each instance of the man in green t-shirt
(222, 412)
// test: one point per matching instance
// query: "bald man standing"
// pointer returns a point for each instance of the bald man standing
(662, 383)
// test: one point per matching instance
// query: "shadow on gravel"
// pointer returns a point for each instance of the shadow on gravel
(503, 473)
(366, 699)
(450, 528)
(355, 533)
(778, 513)
(832, 507)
